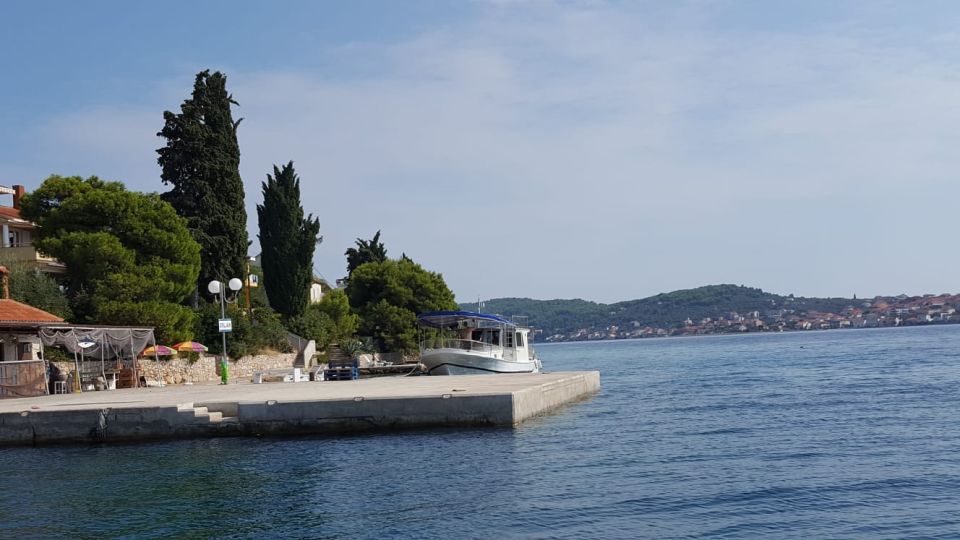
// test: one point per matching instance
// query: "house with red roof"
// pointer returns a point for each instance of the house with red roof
(16, 236)
(22, 369)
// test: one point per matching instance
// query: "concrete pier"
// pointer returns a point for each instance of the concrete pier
(289, 408)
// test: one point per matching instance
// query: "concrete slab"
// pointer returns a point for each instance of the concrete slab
(289, 408)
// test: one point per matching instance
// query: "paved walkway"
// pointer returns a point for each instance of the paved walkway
(380, 387)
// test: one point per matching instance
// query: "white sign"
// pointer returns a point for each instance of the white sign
(226, 325)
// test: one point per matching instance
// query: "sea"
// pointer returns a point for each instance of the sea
(834, 434)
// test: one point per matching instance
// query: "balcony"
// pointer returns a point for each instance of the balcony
(25, 253)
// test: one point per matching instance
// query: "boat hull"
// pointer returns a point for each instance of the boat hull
(455, 362)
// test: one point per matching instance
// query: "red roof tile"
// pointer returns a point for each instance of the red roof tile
(12, 311)
(8, 211)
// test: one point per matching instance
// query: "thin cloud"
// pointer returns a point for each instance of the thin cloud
(532, 154)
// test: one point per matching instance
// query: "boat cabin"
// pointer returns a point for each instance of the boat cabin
(488, 334)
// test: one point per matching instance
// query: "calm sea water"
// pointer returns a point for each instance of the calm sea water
(843, 434)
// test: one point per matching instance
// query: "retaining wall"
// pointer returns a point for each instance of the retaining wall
(181, 370)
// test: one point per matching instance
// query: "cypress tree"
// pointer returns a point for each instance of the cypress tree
(287, 240)
(201, 160)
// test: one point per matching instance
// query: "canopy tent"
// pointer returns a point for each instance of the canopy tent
(99, 343)
(450, 319)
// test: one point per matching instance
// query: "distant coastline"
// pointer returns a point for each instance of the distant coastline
(721, 309)
(682, 332)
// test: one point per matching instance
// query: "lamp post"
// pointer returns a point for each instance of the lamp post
(218, 288)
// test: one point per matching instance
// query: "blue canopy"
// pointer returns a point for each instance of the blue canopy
(445, 319)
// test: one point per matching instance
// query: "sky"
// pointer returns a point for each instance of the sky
(598, 150)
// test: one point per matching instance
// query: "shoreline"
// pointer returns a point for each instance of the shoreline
(738, 333)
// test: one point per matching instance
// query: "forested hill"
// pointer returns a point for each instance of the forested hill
(666, 310)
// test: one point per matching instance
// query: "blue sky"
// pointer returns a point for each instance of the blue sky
(602, 150)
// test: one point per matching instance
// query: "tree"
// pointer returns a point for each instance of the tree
(287, 240)
(328, 321)
(388, 296)
(366, 251)
(201, 160)
(31, 286)
(130, 259)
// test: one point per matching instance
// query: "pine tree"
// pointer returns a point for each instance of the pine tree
(130, 259)
(201, 160)
(287, 240)
(366, 251)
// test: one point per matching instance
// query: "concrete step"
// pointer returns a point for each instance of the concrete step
(214, 417)
(185, 407)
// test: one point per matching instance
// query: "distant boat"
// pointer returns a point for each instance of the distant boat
(469, 343)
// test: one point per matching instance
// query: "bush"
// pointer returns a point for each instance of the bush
(250, 335)
(31, 286)
(328, 321)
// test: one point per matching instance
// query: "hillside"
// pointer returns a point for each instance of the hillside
(666, 310)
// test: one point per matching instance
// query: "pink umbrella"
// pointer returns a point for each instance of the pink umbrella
(190, 346)
(159, 350)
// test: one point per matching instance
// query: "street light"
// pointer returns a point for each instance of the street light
(225, 325)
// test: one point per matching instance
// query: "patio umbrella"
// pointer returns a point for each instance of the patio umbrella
(189, 346)
(159, 350)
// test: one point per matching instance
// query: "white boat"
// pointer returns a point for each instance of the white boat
(466, 343)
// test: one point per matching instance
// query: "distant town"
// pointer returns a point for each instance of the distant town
(881, 311)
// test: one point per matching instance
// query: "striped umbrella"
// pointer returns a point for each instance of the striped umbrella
(190, 346)
(159, 350)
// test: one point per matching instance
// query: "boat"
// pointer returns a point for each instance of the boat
(468, 343)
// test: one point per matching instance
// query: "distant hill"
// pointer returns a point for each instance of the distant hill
(666, 310)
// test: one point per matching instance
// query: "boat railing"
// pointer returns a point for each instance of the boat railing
(463, 344)
(522, 321)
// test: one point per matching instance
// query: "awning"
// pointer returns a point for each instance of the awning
(450, 319)
(114, 341)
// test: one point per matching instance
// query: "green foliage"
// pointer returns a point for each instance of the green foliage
(261, 330)
(388, 296)
(268, 330)
(336, 305)
(130, 259)
(171, 322)
(288, 241)
(201, 161)
(355, 347)
(31, 286)
(258, 296)
(366, 251)
(314, 324)
(328, 321)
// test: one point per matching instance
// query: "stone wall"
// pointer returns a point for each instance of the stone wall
(181, 370)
